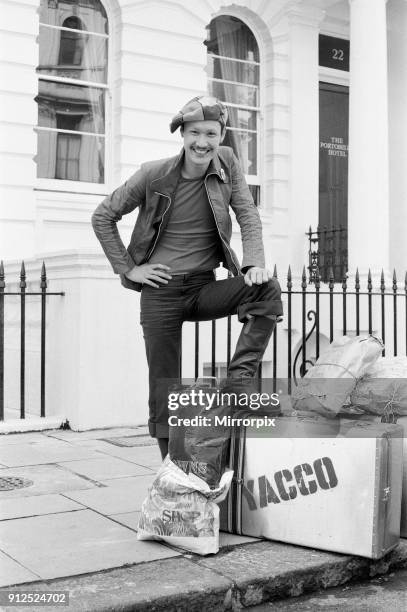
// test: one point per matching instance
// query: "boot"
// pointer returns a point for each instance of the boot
(163, 445)
(251, 345)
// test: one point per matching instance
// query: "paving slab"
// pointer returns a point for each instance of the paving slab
(129, 519)
(21, 438)
(46, 479)
(94, 434)
(131, 441)
(76, 543)
(12, 572)
(35, 505)
(147, 456)
(230, 539)
(122, 495)
(104, 467)
(37, 453)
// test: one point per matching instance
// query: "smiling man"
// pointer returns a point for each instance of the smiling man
(182, 233)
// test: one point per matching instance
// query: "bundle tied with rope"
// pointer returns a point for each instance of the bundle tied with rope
(383, 389)
(327, 386)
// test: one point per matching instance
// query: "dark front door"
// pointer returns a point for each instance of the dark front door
(333, 180)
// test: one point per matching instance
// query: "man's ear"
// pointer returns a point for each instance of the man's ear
(223, 134)
(181, 129)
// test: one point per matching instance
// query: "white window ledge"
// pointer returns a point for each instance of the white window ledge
(57, 185)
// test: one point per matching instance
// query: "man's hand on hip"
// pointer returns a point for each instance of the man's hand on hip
(257, 276)
(149, 274)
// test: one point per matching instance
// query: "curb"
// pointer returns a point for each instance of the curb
(238, 578)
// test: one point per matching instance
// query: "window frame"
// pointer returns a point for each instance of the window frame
(75, 186)
(254, 180)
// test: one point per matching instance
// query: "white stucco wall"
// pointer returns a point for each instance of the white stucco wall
(156, 62)
(397, 45)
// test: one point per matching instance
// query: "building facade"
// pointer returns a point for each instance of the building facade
(317, 97)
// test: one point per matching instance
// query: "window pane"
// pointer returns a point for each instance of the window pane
(230, 37)
(81, 107)
(67, 160)
(71, 157)
(219, 68)
(73, 55)
(91, 14)
(242, 118)
(255, 191)
(244, 145)
(237, 94)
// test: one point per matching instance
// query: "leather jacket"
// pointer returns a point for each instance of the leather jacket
(152, 189)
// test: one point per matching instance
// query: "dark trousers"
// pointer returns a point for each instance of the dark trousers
(199, 297)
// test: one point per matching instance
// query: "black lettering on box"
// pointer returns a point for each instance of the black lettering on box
(327, 480)
(284, 494)
(299, 472)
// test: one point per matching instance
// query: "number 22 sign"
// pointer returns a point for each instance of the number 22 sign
(333, 52)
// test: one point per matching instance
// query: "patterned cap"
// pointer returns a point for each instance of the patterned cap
(201, 108)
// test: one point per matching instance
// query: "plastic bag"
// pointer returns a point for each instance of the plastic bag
(383, 389)
(201, 446)
(182, 510)
(327, 385)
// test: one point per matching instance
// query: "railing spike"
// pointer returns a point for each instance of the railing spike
(2, 276)
(382, 283)
(304, 279)
(331, 282)
(344, 281)
(369, 280)
(23, 284)
(43, 276)
(275, 271)
(317, 279)
(394, 280)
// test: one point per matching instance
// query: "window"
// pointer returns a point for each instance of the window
(72, 43)
(72, 90)
(234, 77)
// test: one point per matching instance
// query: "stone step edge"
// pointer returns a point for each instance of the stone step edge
(208, 590)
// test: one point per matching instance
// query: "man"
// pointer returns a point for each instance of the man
(182, 233)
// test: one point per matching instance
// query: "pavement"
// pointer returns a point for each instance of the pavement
(71, 525)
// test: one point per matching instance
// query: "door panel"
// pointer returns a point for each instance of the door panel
(333, 179)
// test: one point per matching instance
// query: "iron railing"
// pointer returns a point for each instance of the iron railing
(327, 251)
(23, 293)
(315, 313)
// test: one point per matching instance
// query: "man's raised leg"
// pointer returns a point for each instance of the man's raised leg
(258, 307)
